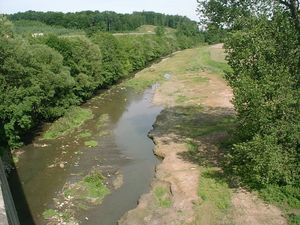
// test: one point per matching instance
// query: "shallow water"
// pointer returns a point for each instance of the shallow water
(123, 148)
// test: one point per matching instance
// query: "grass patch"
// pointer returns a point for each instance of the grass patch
(29, 27)
(16, 159)
(293, 219)
(140, 83)
(211, 127)
(194, 67)
(199, 79)
(84, 134)
(204, 61)
(213, 189)
(151, 29)
(91, 189)
(285, 197)
(181, 99)
(65, 215)
(72, 119)
(162, 197)
(215, 198)
(214, 66)
(50, 213)
(91, 143)
(192, 125)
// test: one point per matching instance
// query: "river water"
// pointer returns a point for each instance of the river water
(123, 148)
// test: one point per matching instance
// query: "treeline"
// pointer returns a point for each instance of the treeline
(263, 46)
(42, 77)
(105, 21)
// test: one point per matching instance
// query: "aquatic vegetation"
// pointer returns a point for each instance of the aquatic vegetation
(84, 134)
(57, 216)
(91, 189)
(72, 119)
(91, 143)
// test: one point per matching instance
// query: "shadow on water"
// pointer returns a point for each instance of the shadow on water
(16, 204)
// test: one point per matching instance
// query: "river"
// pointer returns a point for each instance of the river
(123, 148)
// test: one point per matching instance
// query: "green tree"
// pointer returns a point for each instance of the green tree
(114, 61)
(264, 53)
(160, 31)
(84, 60)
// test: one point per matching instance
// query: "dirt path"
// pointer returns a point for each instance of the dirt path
(197, 111)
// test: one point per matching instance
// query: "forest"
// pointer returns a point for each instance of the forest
(43, 76)
(105, 21)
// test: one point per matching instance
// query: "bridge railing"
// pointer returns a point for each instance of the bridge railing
(9, 214)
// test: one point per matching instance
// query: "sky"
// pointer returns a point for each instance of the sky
(173, 7)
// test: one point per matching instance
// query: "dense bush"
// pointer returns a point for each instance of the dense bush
(264, 53)
(83, 58)
(115, 62)
(265, 86)
(34, 84)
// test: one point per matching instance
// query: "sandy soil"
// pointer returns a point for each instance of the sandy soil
(248, 209)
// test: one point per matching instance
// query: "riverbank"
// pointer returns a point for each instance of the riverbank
(189, 185)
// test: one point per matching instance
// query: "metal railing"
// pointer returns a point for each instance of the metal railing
(11, 212)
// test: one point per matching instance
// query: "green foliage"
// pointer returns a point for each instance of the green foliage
(50, 213)
(94, 185)
(34, 84)
(160, 31)
(162, 197)
(91, 143)
(285, 195)
(218, 17)
(65, 215)
(72, 119)
(103, 21)
(84, 134)
(294, 219)
(41, 77)
(6, 27)
(212, 189)
(150, 29)
(265, 84)
(91, 189)
(288, 197)
(84, 60)
(264, 53)
(114, 62)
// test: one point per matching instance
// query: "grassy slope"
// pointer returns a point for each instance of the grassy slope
(30, 27)
(151, 29)
(146, 29)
